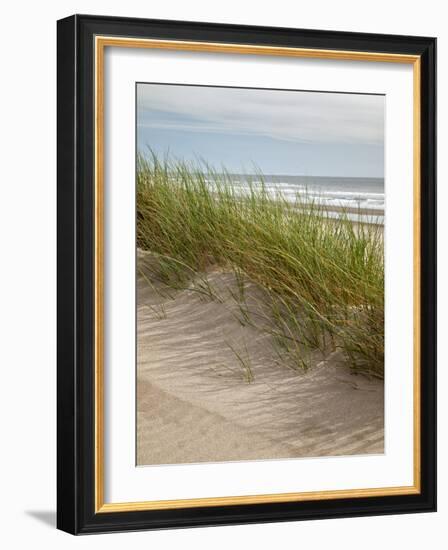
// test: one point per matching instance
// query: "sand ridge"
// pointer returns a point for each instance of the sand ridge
(195, 403)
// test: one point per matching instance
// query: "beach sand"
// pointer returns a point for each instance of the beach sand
(195, 402)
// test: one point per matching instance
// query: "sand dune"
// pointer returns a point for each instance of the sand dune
(195, 403)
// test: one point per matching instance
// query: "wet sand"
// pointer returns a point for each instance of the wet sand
(196, 402)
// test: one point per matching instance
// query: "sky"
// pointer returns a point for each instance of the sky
(276, 131)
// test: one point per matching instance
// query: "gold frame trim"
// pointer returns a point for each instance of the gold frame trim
(101, 42)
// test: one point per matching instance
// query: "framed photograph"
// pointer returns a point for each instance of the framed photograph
(246, 274)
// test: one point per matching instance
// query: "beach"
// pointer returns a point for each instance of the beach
(210, 389)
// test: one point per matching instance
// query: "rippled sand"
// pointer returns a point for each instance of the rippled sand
(195, 404)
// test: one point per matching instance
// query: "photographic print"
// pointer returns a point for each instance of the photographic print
(260, 273)
(246, 274)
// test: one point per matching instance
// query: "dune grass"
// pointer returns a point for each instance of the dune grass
(322, 278)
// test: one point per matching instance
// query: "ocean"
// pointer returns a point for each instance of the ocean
(363, 198)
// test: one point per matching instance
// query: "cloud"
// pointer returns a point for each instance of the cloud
(303, 117)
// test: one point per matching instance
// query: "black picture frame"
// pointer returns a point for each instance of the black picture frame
(76, 512)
